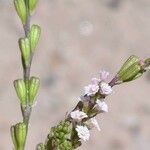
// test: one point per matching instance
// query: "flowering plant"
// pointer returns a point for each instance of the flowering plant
(75, 128)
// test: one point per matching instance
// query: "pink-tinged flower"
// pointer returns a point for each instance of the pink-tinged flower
(101, 106)
(95, 81)
(104, 75)
(91, 89)
(83, 132)
(95, 123)
(78, 115)
(105, 88)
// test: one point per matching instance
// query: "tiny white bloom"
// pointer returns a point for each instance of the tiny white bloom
(103, 75)
(91, 89)
(95, 81)
(102, 106)
(78, 115)
(95, 123)
(79, 99)
(105, 88)
(83, 132)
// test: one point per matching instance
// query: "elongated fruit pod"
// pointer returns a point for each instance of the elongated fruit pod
(18, 134)
(34, 36)
(32, 5)
(33, 89)
(21, 10)
(20, 88)
(24, 45)
(129, 62)
(131, 73)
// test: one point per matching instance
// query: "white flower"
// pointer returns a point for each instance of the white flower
(103, 75)
(95, 81)
(95, 123)
(78, 115)
(101, 106)
(91, 89)
(83, 132)
(105, 88)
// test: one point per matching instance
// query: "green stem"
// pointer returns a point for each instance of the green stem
(26, 111)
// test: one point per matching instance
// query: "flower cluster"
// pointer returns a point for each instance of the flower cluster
(93, 103)
(98, 85)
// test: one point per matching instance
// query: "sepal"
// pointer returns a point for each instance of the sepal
(20, 88)
(34, 36)
(33, 89)
(24, 45)
(21, 10)
(18, 134)
(32, 5)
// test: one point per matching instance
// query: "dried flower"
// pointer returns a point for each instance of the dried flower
(105, 88)
(78, 115)
(83, 132)
(102, 106)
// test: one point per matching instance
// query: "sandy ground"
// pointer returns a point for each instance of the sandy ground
(79, 37)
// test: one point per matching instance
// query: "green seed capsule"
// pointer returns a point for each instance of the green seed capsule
(33, 89)
(129, 62)
(32, 5)
(18, 133)
(131, 73)
(34, 36)
(24, 45)
(20, 88)
(21, 10)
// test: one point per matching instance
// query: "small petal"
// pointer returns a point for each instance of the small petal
(95, 81)
(104, 75)
(95, 123)
(78, 115)
(105, 88)
(102, 106)
(91, 89)
(83, 132)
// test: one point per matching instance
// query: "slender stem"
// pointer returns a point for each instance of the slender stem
(26, 111)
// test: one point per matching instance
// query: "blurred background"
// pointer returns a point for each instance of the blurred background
(79, 38)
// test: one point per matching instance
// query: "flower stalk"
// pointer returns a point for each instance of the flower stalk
(27, 87)
(75, 128)
(83, 117)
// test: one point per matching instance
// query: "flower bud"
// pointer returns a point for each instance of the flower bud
(32, 5)
(33, 89)
(40, 147)
(20, 88)
(24, 45)
(34, 36)
(21, 10)
(18, 134)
